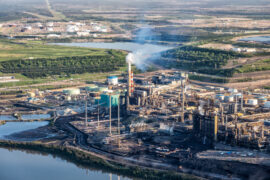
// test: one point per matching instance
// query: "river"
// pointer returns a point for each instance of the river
(25, 117)
(127, 46)
(16, 164)
(261, 39)
(15, 127)
(21, 165)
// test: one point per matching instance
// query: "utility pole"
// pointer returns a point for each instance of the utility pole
(119, 115)
(222, 113)
(183, 102)
(85, 110)
(226, 128)
(242, 101)
(110, 115)
(98, 113)
(118, 122)
(236, 105)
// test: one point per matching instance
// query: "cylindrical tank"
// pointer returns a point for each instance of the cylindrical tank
(112, 80)
(267, 105)
(72, 91)
(229, 98)
(103, 89)
(220, 97)
(68, 98)
(231, 90)
(91, 88)
(252, 102)
(31, 94)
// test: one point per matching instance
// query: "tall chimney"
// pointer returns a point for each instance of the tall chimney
(129, 79)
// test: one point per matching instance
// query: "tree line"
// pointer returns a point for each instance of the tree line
(202, 60)
(43, 67)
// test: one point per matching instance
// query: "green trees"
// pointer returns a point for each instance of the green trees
(70, 65)
(201, 57)
(203, 60)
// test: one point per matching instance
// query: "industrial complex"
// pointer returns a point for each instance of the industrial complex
(159, 117)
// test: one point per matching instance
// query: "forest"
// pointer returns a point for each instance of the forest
(202, 60)
(43, 67)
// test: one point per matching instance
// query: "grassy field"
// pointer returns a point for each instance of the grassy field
(14, 50)
(10, 50)
(262, 65)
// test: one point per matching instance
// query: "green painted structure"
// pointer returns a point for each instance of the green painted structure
(105, 100)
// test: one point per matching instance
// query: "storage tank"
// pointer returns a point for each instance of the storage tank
(31, 94)
(229, 98)
(112, 80)
(252, 102)
(72, 91)
(267, 105)
(231, 90)
(103, 89)
(91, 88)
(220, 97)
(68, 98)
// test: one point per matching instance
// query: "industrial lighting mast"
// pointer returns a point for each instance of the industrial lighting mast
(110, 113)
(118, 115)
(183, 102)
(86, 110)
(98, 113)
(118, 124)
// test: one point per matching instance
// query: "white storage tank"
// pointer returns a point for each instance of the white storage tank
(220, 97)
(252, 102)
(229, 98)
(72, 92)
(267, 105)
(231, 90)
(112, 80)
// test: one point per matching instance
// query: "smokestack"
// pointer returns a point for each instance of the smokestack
(130, 79)
(130, 84)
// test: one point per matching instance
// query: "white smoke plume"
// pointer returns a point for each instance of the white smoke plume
(130, 58)
(145, 51)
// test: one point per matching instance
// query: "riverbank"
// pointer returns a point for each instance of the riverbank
(2, 122)
(78, 156)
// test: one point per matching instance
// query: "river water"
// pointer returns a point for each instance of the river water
(15, 127)
(25, 117)
(262, 39)
(127, 46)
(19, 165)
